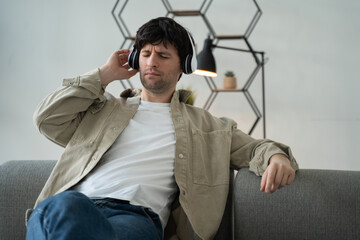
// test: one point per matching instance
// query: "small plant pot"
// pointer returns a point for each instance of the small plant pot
(229, 82)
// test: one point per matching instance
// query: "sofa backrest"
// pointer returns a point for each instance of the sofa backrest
(20, 185)
(319, 204)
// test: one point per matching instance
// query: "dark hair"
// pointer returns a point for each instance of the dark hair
(164, 30)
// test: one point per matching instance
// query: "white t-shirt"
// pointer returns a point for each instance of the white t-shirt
(139, 166)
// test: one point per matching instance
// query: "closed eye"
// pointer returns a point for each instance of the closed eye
(163, 55)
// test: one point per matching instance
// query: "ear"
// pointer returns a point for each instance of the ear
(180, 76)
(180, 66)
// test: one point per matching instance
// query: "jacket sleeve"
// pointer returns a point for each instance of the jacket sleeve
(255, 154)
(60, 113)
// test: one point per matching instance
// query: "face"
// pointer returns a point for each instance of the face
(159, 68)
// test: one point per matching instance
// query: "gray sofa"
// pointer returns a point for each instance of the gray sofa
(320, 204)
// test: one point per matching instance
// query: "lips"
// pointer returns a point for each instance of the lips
(152, 74)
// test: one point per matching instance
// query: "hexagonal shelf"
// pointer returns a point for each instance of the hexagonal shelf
(258, 56)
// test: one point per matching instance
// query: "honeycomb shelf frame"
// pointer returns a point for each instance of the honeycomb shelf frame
(258, 56)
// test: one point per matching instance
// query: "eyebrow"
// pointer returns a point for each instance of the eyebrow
(159, 52)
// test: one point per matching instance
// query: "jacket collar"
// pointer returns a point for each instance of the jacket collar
(181, 95)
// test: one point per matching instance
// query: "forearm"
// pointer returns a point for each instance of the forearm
(265, 151)
(256, 153)
(59, 114)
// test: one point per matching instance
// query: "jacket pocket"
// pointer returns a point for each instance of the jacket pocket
(211, 157)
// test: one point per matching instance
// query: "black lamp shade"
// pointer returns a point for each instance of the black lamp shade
(206, 65)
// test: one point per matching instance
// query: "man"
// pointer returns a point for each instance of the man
(146, 161)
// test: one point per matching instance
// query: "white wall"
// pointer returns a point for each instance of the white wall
(311, 77)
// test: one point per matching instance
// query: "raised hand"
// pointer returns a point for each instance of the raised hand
(116, 67)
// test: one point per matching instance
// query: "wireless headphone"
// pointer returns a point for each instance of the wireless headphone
(188, 66)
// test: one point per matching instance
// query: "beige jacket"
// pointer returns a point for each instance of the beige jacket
(85, 120)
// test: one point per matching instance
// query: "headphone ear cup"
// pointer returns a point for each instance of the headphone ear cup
(190, 63)
(187, 64)
(133, 59)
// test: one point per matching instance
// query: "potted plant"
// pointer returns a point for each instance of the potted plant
(229, 80)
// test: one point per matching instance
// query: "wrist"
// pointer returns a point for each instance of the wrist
(105, 73)
(280, 157)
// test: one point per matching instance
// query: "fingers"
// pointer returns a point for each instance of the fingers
(263, 181)
(267, 180)
(270, 188)
(122, 51)
(291, 178)
(116, 67)
(287, 179)
(284, 181)
(276, 177)
(123, 58)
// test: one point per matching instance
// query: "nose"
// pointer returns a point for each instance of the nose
(152, 61)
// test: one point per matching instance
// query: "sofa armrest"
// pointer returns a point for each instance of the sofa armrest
(319, 204)
(20, 184)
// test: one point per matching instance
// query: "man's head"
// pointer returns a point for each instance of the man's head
(163, 51)
(166, 30)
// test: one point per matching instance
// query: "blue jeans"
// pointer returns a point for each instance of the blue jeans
(72, 215)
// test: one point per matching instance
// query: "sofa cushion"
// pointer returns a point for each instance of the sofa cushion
(20, 184)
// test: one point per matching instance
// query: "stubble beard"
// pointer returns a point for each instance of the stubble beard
(157, 87)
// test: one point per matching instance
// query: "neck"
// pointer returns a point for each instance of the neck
(154, 97)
